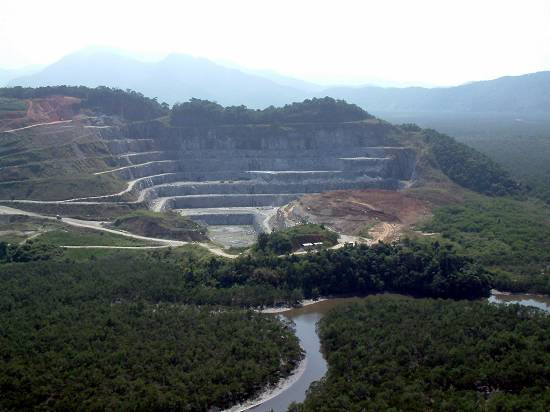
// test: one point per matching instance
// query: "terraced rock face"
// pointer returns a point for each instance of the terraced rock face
(220, 175)
(235, 175)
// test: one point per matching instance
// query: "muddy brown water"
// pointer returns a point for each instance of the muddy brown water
(537, 301)
(305, 320)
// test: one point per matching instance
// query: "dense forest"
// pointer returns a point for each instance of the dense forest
(128, 104)
(118, 338)
(423, 270)
(509, 237)
(525, 156)
(198, 112)
(122, 336)
(470, 168)
(266, 279)
(520, 142)
(397, 353)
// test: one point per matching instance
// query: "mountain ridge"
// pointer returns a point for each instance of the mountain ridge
(179, 77)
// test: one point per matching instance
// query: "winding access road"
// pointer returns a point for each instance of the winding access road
(89, 224)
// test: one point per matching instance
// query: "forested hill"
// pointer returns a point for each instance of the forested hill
(462, 164)
(470, 168)
(128, 104)
(198, 112)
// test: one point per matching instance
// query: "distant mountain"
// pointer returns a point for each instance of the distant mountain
(175, 78)
(178, 77)
(298, 84)
(526, 93)
(6, 75)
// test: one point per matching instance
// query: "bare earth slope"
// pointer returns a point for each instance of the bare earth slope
(373, 213)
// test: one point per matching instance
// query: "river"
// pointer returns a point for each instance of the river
(306, 318)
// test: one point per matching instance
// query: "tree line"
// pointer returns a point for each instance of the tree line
(266, 279)
(197, 112)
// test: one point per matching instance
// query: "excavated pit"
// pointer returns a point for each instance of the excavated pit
(230, 177)
(235, 178)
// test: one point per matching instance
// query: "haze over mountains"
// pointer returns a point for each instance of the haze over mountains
(179, 77)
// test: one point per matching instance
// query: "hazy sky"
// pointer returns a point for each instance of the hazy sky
(438, 42)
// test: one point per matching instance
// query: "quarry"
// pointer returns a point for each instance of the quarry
(233, 179)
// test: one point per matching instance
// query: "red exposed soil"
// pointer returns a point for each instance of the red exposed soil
(384, 205)
(52, 109)
(350, 211)
(42, 110)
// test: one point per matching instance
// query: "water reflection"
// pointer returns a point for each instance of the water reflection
(537, 301)
(306, 319)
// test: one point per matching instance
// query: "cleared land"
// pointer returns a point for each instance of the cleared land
(372, 213)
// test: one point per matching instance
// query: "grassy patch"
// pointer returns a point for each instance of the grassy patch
(16, 228)
(86, 237)
(61, 188)
(364, 231)
(177, 255)
(100, 211)
(234, 250)
(12, 238)
(168, 225)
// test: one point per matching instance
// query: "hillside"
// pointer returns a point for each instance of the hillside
(103, 147)
(90, 179)
(118, 154)
(176, 78)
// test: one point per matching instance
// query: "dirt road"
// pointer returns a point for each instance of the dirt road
(88, 224)
(35, 125)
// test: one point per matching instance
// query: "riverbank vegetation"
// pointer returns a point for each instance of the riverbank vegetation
(190, 277)
(397, 353)
(418, 269)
